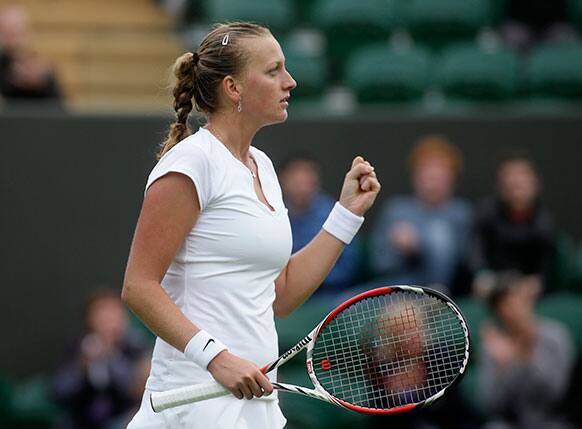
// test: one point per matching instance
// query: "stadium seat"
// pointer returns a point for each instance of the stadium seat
(555, 70)
(469, 387)
(303, 10)
(309, 71)
(380, 74)
(439, 22)
(471, 73)
(6, 389)
(577, 280)
(136, 324)
(278, 15)
(565, 307)
(564, 256)
(32, 407)
(350, 24)
(575, 12)
(498, 8)
(475, 313)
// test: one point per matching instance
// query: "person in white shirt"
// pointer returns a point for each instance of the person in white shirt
(210, 264)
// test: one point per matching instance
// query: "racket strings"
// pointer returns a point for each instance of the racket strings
(390, 350)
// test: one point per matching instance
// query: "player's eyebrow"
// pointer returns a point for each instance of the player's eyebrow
(277, 63)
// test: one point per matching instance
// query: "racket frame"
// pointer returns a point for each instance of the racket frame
(185, 395)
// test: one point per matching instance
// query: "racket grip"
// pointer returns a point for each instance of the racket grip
(186, 395)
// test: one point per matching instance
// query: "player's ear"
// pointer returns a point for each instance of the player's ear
(232, 89)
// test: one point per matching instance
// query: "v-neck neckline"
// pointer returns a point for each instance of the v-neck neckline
(267, 205)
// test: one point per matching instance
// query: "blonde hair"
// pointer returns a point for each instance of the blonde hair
(198, 74)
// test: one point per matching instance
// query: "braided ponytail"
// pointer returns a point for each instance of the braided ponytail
(199, 74)
(184, 71)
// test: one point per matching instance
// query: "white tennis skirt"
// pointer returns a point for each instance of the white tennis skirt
(225, 412)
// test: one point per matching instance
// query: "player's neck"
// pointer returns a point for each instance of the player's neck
(233, 132)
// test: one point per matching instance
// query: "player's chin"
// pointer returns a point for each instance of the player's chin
(281, 116)
(277, 115)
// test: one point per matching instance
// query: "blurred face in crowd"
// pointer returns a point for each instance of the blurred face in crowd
(107, 318)
(14, 31)
(266, 84)
(515, 307)
(396, 364)
(518, 184)
(300, 183)
(433, 180)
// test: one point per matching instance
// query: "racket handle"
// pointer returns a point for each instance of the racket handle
(186, 395)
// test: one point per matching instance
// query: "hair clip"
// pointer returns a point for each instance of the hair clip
(225, 39)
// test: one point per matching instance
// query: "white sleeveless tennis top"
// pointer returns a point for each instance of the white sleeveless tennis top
(222, 277)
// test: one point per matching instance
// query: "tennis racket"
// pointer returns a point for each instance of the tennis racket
(385, 351)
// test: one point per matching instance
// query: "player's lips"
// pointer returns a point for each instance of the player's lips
(285, 100)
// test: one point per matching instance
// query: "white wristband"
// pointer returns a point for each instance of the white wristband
(202, 348)
(342, 223)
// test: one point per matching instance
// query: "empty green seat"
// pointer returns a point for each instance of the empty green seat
(276, 14)
(469, 387)
(577, 278)
(380, 74)
(32, 406)
(575, 12)
(350, 24)
(303, 9)
(564, 260)
(438, 22)
(498, 11)
(555, 70)
(6, 389)
(470, 72)
(309, 71)
(475, 312)
(567, 308)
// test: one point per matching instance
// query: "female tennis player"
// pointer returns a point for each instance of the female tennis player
(210, 262)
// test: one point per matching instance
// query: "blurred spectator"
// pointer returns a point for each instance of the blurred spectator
(526, 361)
(536, 21)
(421, 239)
(308, 209)
(96, 385)
(139, 377)
(23, 76)
(513, 230)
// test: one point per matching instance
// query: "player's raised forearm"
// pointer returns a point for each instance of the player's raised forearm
(307, 268)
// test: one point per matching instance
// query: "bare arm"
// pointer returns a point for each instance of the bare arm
(169, 212)
(307, 268)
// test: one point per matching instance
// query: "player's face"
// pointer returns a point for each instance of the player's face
(266, 84)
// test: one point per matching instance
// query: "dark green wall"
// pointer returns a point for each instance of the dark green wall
(71, 189)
